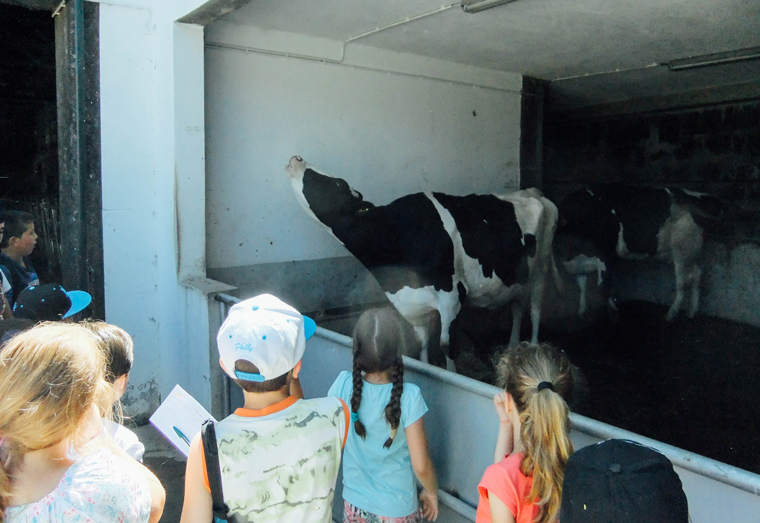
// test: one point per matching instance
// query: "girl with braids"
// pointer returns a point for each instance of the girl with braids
(55, 464)
(525, 483)
(387, 445)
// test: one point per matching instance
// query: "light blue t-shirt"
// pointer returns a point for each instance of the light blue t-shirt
(376, 479)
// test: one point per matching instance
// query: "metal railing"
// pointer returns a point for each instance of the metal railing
(689, 461)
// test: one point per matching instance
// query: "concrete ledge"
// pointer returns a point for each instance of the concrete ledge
(207, 286)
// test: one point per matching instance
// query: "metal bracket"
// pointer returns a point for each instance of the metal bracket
(59, 8)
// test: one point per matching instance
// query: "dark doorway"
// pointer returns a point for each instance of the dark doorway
(29, 129)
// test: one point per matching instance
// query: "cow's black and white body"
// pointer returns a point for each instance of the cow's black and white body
(431, 252)
(641, 222)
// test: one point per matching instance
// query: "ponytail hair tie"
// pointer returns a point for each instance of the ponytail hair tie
(545, 385)
(354, 417)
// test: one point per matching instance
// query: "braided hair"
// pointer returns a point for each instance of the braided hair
(378, 341)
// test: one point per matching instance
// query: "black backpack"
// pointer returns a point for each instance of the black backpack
(214, 473)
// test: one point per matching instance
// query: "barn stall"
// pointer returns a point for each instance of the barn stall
(401, 97)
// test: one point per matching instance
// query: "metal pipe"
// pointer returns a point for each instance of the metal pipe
(228, 300)
(225, 379)
(684, 459)
(401, 22)
(457, 505)
(476, 6)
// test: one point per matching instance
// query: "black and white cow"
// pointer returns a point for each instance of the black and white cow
(432, 252)
(639, 222)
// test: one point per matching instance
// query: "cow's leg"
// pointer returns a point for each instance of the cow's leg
(422, 333)
(681, 278)
(517, 314)
(447, 316)
(695, 279)
(536, 300)
(582, 279)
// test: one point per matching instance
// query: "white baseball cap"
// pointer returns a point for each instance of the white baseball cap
(266, 332)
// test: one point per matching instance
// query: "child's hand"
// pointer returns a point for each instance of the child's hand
(500, 402)
(429, 502)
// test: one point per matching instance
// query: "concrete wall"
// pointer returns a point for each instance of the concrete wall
(151, 87)
(713, 148)
(353, 120)
(389, 124)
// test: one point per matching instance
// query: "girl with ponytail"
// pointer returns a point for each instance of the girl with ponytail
(525, 483)
(387, 445)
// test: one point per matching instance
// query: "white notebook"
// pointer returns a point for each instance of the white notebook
(179, 418)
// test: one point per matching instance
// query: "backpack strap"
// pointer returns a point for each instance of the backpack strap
(211, 453)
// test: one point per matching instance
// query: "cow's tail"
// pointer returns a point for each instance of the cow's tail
(706, 209)
(556, 277)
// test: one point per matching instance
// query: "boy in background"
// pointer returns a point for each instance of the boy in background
(19, 239)
(49, 302)
(279, 455)
(118, 348)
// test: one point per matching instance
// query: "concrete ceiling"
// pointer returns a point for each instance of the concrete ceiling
(592, 51)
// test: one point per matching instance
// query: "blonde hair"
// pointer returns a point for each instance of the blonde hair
(544, 418)
(50, 377)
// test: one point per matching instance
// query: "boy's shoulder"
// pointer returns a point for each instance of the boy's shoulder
(318, 415)
(288, 409)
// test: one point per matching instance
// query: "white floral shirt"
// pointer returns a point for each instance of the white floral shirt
(97, 488)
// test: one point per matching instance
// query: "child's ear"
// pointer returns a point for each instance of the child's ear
(297, 369)
(120, 385)
(221, 364)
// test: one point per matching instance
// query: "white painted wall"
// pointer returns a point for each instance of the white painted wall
(357, 123)
(151, 87)
(129, 193)
(386, 133)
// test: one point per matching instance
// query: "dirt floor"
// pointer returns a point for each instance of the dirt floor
(691, 383)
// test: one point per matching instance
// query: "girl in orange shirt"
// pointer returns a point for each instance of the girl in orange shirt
(525, 483)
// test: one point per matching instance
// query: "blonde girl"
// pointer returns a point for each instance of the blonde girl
(54, 463)
(525, 483)
(387, 445)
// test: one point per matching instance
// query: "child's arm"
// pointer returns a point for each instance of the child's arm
(505, 439)
(157, 492)
(423, 468)
(197, 507)
(499, 511)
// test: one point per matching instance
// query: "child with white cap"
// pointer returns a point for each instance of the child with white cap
(279, 455)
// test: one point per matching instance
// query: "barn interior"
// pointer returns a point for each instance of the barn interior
(398, 97)
(29, 128)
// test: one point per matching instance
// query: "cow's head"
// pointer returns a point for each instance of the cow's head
(327, 199)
